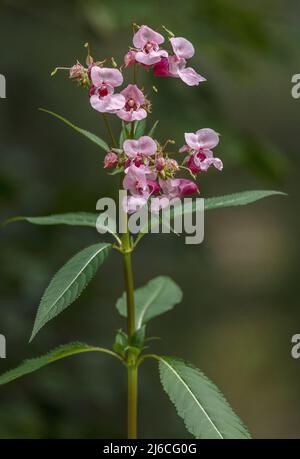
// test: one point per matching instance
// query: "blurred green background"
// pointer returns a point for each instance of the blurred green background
(241, 291)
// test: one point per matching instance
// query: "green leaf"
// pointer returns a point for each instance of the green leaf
(125, 133)
(139, 128)
(153, 129)
(239, 199)
(230, 200)
(138, 338)
(121, 343)
(94, 138)
(69, 282)
(157, 297)
(91, 220)
(74, 219)
(67, 350)
(206, 413)
(70, 218)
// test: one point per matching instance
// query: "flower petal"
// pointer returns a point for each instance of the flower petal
(207, 138)
(113, 77)
(108, 104)
(192, 140)
(151, 58)
(190, 76)
(182, 47)
(144, 35)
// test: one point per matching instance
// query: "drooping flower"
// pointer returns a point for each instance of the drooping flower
(111, 160)
(147, 42)
(175, 65)
(178, 188)
(199, 145)
(102, 97)
(134, 100)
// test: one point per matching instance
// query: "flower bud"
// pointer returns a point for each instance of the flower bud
(111, 160)
(160, 163)
(172, 165)
(129, 58)
(77, 71)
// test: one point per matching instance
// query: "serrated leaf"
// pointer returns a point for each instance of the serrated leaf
(239, 199)
(230, 200)
(157, 297)
(153, 129)
(89, 135)
(205, 411)
(69, 282)
(31, 365)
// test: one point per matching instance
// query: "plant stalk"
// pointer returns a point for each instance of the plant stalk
(131, 358)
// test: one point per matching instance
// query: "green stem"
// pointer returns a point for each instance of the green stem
(109, 130)
(131, 358)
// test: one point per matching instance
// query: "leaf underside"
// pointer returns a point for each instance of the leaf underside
(157, 297)
(69, 282)
(31, 365)
(205, 411)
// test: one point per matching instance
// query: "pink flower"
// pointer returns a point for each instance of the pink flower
(134, 99)
(178, 188)
(144, 146)
(110, 160)
(175, 66)
(132, 204)
(104, 80)
(129, 58)
(200, 145)
(147, 42)
(136, 180)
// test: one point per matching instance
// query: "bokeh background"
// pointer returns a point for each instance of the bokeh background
(241, 286)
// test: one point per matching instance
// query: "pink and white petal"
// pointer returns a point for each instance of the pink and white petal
(113, 77)
(217, 163)
(124, 115)
(207, 138)
(97, 103)
(114, 102)
(183, 149)
(147, 146)
(192, 140)
(147, 59)
(190, 76)
(182, 47)
(144, 35)
(133, 92)
(158, 203)
(131, 148)
(96, 76)
(132, 204)
(151, 58)
(139, 114)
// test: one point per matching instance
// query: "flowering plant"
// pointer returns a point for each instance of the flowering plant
(148, 172)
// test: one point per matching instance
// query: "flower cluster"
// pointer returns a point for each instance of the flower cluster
(149, 170)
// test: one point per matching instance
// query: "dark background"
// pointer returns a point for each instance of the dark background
(241, 286)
